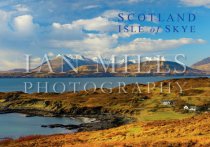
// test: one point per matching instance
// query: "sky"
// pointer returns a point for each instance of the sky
(89, 28)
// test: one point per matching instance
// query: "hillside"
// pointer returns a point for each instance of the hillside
(190, 132)
(195, 92)
(203, 65)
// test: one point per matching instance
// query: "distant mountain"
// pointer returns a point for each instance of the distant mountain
(118, 62)
(58, 63)
(164, 67)
(87, 67)
(203, 65)
(62, 62)
(145, 67)
(21, 70)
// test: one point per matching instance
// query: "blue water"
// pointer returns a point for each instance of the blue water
(15, 125)
(62, 84)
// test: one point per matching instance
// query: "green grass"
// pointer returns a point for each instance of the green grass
(162, 115)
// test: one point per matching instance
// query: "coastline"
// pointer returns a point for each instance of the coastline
(90, 122)
(126, 116)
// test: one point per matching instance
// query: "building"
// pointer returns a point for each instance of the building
(167, 102)
(191, 108)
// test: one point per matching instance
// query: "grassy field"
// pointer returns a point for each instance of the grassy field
(163, 115)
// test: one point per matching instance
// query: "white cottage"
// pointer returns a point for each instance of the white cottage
(167, 102)
(190, 108)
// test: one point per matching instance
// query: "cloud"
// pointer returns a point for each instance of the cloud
(91, 34)
(15, 26)
(91, 7)
(13, 59)
(17, 31)
(91, 45)
(149, 45)
(10, 59)
(196, 3)
(161, 58)
(37, 59)
(134, 1)
(21, 8)
(8, 65)
(24, 24)
(110, 14)
(99, 24)
(105, 40)
(50, 54)
(4, 19)
(104, 44)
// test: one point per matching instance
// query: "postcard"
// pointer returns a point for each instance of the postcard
(105, 73)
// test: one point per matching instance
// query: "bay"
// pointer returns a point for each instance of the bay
(14, 125)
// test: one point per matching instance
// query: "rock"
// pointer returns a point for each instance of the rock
(69, 127)
(29, 115)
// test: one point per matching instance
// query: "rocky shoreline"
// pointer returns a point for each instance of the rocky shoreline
(90, 122)
(91, 126)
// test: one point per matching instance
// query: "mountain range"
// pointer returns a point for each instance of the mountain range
(67, 65)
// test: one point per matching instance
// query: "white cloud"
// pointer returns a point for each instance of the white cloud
(161, 58)
(8, 65)
(14, 60)
(21, 8)
(100, 24)
(4, 18)
(92, 7)
(37, 59)
(10, 59)
(148, 45)
(71, 35)
(50, 54)
(134, 1)
(196, 3)
(113, 13)
(24, 24)
(15, 28)
(104, 44)
(91, 45)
